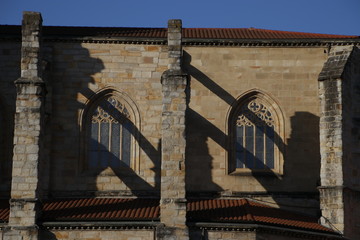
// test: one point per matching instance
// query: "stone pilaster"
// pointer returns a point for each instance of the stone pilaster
(173, 201)
(30, 88)
(334, 91)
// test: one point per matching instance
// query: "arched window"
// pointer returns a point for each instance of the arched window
(256, 135)
(110, 138)
(110, 132)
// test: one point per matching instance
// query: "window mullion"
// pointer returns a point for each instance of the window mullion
(120, 142)
(110, 142)
(98, 145)
(264, 144)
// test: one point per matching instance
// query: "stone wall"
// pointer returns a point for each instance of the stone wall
(97, 234)
(173, 191)
(218, 77)
(79, 71)
(350, 137)
(339, 136)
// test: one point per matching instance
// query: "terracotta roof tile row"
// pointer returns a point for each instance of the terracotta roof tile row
(188, 33)
(245, 211)
(211, 211)
(100, 209)
(253, 33)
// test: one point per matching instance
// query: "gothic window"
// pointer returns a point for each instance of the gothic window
(256, 136)
(110, 135)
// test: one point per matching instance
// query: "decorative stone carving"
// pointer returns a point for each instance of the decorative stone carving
(255, 114)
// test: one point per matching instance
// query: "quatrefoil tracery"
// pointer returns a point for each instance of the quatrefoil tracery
(110, 110)
(254, 114)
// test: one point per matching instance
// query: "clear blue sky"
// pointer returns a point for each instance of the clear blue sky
(317, 16)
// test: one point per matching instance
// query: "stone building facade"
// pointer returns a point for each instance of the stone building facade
(178, 133)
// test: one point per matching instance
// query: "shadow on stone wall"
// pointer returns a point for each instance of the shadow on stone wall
(70, 79)
(7, 107)
(10, 57)
(300, 163)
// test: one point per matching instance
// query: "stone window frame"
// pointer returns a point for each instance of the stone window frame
(279, 126)
(85, 122)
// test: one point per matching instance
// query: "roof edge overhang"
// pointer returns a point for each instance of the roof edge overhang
(108, 225)
(197, 41)
(269, 42)
(264, 228)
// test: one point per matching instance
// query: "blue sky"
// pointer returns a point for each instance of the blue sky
(317, 16)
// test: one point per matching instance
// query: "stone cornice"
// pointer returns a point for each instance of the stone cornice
(270, 42)
(188, 42)
(259, 228)
(98, 225)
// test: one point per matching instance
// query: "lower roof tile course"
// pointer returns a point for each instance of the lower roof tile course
(247, 211)
(236, 211)
(101, 209)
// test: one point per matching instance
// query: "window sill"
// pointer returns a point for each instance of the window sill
(108, 171)
(256, 172)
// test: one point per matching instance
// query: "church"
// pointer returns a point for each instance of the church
(178, 133)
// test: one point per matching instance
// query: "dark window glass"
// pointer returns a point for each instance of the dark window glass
(254, 138)
(110, 135)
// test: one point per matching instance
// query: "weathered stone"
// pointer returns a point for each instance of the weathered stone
(28, 120)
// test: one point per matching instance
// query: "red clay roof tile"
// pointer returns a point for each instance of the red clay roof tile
(246, 211)
(253, 33)
(190, 33)
(210, 210)
(101, 209)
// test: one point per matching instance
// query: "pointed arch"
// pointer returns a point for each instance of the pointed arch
(110, 123)
(256, 133)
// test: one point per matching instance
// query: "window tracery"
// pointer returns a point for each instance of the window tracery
(256, 133)
(254, 137)
(110, 134)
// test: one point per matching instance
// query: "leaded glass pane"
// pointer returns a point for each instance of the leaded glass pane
(269, 142)
(240, 151)
(94, 145)
(126, 138)
(110, 140)
(104, 144)
(94, 136)
(254, 141)
(249, 144)
(259, 145)
(115, 144)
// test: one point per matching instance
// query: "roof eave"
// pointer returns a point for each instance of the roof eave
(271, 42)
(99, 224)
(263, 228)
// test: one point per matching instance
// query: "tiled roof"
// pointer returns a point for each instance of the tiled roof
(101, 209)
(253, 33)
(245, 211)
(206, 211)
(188, 33)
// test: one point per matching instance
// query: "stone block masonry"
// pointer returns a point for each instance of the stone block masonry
(27, 134)
(338, 139)
(173, 201)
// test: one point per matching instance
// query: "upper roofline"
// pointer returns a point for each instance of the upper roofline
(190, 36)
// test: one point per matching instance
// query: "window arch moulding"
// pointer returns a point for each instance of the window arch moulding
(255, 127)
(110, 127)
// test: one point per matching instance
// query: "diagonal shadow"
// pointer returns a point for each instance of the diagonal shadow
(214, 133)
(202, 126)
(73, 75)
(127, 175)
